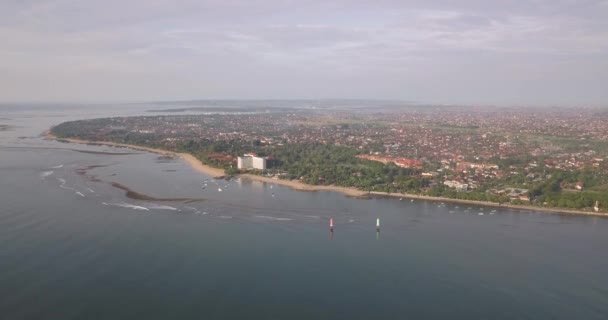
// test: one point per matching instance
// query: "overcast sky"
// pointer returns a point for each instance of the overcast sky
(535, 52)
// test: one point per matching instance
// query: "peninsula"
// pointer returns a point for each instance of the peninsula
(446, 153)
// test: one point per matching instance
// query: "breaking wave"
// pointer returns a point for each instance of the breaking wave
(273, 218)
(130, 206)
(66, 188)
(157, 207)
(46, 174)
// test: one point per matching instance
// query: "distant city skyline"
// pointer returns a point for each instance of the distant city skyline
(544, 52)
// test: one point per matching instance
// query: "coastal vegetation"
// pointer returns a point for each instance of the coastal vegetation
(315, 151)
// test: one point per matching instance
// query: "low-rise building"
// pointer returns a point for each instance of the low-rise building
(459, 186)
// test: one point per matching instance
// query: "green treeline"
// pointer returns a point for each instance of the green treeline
(327, 164)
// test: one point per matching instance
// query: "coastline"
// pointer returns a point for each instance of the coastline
(190, 159)
(299, 186)
(490, 204)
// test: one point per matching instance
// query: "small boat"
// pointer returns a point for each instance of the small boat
(331, 224)
(377, 224)
(219, 189)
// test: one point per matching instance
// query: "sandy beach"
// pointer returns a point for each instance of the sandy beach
(190, 159)
(297, 185)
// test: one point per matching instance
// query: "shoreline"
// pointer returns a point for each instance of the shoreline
(190, 159)
(299, 186)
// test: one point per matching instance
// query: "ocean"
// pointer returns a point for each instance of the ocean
(74, 246)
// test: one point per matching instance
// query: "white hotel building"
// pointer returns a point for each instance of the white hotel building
(251, 161)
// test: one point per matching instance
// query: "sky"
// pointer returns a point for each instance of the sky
(498, 52)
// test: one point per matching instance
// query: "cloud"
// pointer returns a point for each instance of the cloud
(413, 50)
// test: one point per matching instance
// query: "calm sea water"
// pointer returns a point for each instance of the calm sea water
(71, 248)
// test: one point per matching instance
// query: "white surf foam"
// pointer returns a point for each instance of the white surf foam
(79, 193)
(57, 167)
(46, 174)
(67, 188)
(273, 218)
(130, 206)
(90, 190)
(157, 207)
